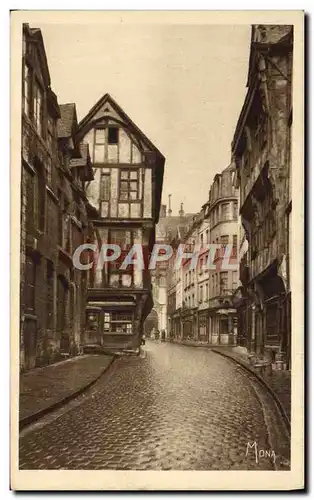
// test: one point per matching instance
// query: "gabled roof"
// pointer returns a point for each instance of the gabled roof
(36, 35)
(108, 99)
(283, 37)
(67, 120)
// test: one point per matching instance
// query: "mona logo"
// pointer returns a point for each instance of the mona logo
(260, 453)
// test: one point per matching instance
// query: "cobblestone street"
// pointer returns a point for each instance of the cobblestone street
(173, 407)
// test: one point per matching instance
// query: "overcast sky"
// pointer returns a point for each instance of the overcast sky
(183, 86)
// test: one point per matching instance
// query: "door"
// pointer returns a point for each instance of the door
(62, 300)
(30, 323)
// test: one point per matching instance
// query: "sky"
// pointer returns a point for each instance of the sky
(183, 86)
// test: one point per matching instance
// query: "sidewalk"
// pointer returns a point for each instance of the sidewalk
(46, 388)
(279, 382)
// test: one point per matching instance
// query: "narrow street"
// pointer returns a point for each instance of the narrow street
(173, 407)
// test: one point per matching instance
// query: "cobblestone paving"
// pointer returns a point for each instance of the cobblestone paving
(43, 387)
(175, 407)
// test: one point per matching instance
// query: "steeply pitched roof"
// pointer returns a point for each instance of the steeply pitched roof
(167, 227)
(36, 34)
(108, 99)
(65, 123)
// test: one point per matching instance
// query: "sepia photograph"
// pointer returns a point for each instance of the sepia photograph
(155, 160)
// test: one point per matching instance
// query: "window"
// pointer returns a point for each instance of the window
(38, 107)
(235, 210)
(36, 200)
(223, 282)
(113, 135)
(51, 148)
(234, 279)
(118, 322)
(26, 90)
(99, 145)
(48, 168)
(50, 134)
(201, 293)
(120, 277)
(30, 284)
(202, 240)
(206, 294)
(39, 196)
(129, 185)
(66, 227)
(207, 236)
(224, 240)
(225, 211)
(105, 187)
(92, 322)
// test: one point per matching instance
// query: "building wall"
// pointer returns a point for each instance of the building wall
(47, 319)
(261, 147)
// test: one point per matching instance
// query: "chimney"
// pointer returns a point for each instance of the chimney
(163, 211)
(169, 209)
(181, 211)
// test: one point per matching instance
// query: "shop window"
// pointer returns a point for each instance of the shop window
(224, 326)
(92, 322)
(118, 322)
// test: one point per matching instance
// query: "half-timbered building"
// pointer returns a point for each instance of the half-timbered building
(126, 195)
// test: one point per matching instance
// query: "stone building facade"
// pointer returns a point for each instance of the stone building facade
(200, 305)
(53, 215)
(125, 194)
(222, 213)
(168, 229)
(262, 152)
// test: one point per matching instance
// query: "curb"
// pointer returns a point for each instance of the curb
(26, 421)
(264, 383)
